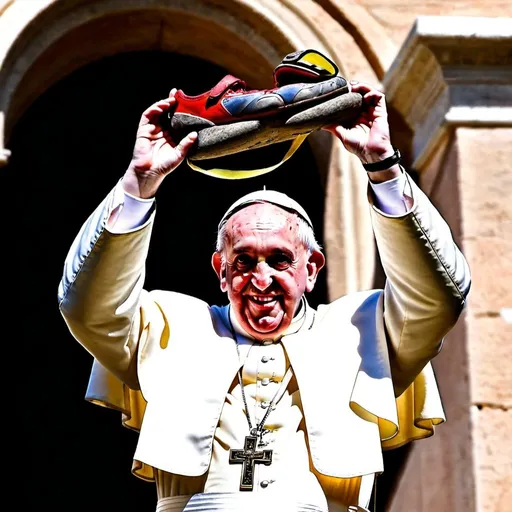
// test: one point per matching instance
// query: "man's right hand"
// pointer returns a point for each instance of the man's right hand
(155, 155)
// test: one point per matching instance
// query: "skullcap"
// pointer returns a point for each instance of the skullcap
(267, 196)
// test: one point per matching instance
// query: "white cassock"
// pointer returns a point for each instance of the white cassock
(169, 363)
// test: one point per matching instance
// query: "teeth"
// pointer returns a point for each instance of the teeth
(263, 300)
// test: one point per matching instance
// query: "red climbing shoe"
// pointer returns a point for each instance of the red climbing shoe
(230, 101)
(308, 94)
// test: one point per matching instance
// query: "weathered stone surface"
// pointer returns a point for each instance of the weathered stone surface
(490, 355)
(440, 181)
(307, 17)
(452, 72)
(489, 261)
(377, 47)
(397, 17)
(347, 227)
(438, 473)
(464, 157)
(493, 458)
(485, 159)
(432, 478)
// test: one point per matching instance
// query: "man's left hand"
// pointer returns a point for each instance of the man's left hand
(368, 136)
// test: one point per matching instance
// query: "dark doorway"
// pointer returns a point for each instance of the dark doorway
(68, 151)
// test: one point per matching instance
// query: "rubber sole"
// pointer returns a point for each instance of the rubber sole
(217, 141)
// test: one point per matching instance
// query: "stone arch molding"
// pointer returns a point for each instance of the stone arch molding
(44, 40)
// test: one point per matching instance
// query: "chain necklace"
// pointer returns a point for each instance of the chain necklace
(249, 455)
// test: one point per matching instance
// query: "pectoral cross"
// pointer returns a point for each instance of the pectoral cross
(248, 457)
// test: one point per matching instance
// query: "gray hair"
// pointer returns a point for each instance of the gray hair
(305, 234)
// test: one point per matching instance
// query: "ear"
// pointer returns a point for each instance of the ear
(315, 263)
(220, 269)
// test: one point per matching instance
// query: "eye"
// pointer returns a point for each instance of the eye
(244, 262)
(279, 261)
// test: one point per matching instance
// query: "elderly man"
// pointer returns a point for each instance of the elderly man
(266, 402)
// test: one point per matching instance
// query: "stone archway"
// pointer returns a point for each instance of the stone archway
(45, 40)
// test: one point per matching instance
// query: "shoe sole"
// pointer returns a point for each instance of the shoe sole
(215, 141)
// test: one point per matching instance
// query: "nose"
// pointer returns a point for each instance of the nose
(262, 276)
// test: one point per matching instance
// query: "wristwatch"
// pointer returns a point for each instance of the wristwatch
(382, 165)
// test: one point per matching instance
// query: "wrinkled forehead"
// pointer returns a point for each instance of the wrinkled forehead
(267, 196)
(261, 218)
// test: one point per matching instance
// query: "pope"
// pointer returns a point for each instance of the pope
(265, 401)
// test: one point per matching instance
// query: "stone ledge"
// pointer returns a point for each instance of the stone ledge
(452, 71)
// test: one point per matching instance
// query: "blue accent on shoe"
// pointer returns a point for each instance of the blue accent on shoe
(243, 104)
(288, 92)
(235, 104)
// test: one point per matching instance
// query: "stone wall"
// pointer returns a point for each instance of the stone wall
(397, 16)
(462, 150)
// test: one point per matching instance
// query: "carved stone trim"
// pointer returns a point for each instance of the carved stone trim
(452, 71)
(378, 48)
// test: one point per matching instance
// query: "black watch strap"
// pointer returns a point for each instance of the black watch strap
(384, 164)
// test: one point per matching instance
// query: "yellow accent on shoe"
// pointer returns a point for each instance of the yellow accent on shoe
(232, 174)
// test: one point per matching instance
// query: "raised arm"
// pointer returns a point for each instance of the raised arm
(427, 277)
(102, 284)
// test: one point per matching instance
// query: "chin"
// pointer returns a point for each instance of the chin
(262, 335)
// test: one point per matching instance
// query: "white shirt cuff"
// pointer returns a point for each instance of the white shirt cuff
(389, 196)
(129, 212)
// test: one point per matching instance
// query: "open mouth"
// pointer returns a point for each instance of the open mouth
(264, 301)
(264, 313)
